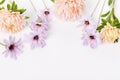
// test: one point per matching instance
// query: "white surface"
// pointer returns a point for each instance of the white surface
(64, 57)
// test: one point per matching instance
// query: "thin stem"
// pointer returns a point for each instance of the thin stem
(44, 4)
(2, 44)
(113, 4)
(33, 6)
(101, 11)
(95, 8)
(10, 1)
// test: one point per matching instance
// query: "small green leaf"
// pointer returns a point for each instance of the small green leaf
(104, 15)
(109, 19)
(115, 18)
(2, 2)
(53, 1)
(8, 6)
(116, 41)
(13, 5)
(104, 21)
(99, 28)
(110, 2)
(117, 25)
(27, 17)
(21, 11)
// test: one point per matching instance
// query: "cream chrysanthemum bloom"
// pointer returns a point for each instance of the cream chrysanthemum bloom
(110, 33)
(69, 9)
(11, 21)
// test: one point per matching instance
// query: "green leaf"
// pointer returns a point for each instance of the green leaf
(53, 1)
(27, 17)
(109, 19)
(99, 28)
(8, 6)
(116, 41)
(110, 2)
(21, 11)
(117, 25)
(104, 21)
(2, 2)
(104, 15)
(13, 5)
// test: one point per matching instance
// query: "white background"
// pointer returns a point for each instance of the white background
(64, 57)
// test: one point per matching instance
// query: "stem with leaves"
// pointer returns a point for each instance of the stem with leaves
(109, 17)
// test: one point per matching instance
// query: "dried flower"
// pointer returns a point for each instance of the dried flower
(109, 33)
(69, 9)
(11, 21)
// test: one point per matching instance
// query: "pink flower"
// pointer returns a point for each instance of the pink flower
(69, 9)
(13, 48)
(11, 21)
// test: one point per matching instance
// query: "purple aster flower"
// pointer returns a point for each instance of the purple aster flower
(36, 39)
(45, 15)
(39, 26)
(87, 23)
(13, 48)
(91, 38)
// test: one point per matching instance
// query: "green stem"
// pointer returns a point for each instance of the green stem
(113, 4)
(95, 8)
(33, 6)
(1, 2)
(44, 4)
(101, 11)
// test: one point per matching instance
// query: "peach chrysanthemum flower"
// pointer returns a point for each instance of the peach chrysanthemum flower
(69, 9)
(110, 33)
(11, 21)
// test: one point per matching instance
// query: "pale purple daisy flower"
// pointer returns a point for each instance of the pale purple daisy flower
(39, 26)
(13, 48)
(45, 15)
(36, 39)
(91, 38)
(87, 23)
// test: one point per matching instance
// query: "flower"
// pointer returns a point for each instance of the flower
(44, 16)
(39, 26)
(87, 23)
(13, 48)
(92, 38)
(69, 9)
(11, 21)
(36, 39)
(110, 33)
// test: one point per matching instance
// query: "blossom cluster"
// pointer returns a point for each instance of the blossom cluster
(12, 21)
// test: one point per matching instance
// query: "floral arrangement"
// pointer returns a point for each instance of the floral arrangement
(13, 21)
(107, 30)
